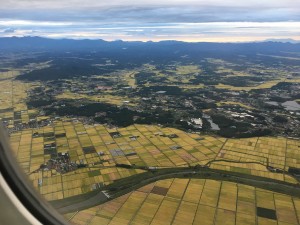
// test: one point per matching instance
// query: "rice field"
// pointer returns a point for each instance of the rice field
(141, 145)
(267, 84)
(195, 202)
(176, 201)
(277, 152)
(13, 93)
(104, 98)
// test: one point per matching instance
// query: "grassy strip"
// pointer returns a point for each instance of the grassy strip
(126, 185)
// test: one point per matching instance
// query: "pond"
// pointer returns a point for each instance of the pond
(272, 103)
(212, 124)
(291, 105)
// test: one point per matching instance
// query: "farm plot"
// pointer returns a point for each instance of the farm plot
(255, 155)
(214, 202)
(99, 149)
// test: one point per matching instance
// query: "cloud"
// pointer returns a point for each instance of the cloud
(9, 30)
(221, 31)
(32, 23)
(90, 4)
(152, 19)
(152, 10)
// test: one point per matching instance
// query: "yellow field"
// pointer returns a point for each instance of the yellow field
(152, 147)
(130, 78)
(278, 152)
(268, 84)
(234, 103)
(13, 94)
(214, 202)
(199, 86)
(106, 98)
(186, 201)
(184, 70)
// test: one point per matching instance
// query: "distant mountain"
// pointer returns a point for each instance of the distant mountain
(288, 40)
(71, 58)
(45, 44)
(34, 43)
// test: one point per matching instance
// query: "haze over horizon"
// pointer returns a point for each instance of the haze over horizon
(191, 21)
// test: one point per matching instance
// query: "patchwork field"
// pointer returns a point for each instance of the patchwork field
(105, 98)
(193, 201)
(176, 201)
(101, 148)
(278, 153)
(139, 145)
(13, 93)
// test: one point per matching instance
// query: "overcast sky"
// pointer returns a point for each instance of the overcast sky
(186, 20)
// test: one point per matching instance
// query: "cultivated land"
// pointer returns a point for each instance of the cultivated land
(128, 131)
(152, 148)
(193, 201)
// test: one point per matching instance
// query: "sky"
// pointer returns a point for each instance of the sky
(152, 20)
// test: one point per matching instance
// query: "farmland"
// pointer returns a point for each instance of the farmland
(182, 139)
(142, 145)
(193, 201)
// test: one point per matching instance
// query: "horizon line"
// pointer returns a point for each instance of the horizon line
(279, 40)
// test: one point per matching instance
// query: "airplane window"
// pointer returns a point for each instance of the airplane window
(150, 112)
